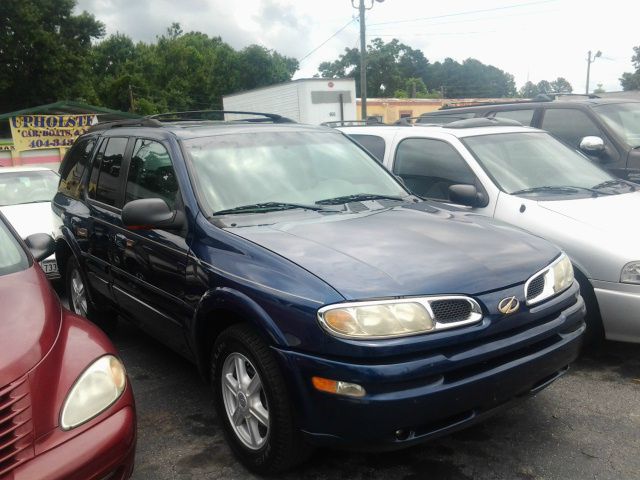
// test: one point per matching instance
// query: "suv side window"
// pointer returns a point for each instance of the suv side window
(151, 173)
(74, 166)
(110, 164)
(374, 144)
(570, 125)
(429, 167)
(525, 117)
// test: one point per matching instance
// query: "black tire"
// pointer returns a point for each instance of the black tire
(283, 448)
(594, 334)
(101, 315)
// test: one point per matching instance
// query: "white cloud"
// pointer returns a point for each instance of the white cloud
(531, 39)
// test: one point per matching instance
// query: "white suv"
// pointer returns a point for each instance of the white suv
(527, 178)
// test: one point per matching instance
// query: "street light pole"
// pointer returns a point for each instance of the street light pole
(589, 62)
(363, 54)
(363, 63)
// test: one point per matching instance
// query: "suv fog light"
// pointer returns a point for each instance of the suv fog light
(338, 387)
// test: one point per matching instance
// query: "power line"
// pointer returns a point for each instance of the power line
(327, 40)
(506, 7)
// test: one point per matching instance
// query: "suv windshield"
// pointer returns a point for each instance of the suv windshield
(27, 187)
(286, 170)
(624, 119)
(538, 163)
(12, 257)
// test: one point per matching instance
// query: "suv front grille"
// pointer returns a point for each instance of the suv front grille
(535, 288)
(16, 426)
(450, 311)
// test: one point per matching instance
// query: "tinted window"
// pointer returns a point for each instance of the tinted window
(569, 125)
(446, 118)
(374, 144)
(523, 116)
(108, 186)
(12, 257)
(429, 167)
(74, 166)
(151, 173)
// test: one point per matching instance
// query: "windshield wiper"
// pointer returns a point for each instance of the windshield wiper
(266, 207)
(560, 189)
(358, 197)
(612, 182)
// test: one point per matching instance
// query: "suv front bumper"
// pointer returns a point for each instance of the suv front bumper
(406, 403)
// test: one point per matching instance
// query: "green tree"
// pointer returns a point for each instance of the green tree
(43, 52)
(599, 89)
(631, 81)
(544, 87)
(529, 90)
(561, 85)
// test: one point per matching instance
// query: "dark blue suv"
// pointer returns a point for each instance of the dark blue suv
(325, 303)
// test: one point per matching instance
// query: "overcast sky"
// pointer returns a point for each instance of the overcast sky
(531, 39)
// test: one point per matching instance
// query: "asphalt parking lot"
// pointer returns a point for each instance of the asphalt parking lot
(585, 426)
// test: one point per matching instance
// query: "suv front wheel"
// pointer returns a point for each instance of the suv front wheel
(79, 302)
(253, 404)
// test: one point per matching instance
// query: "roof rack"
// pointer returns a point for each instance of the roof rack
(205, 115)
(352, 123)
(482, 122)
(138, 122)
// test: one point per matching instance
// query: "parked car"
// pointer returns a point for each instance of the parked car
(606, 130)
(66, 408)
(25, 200)
(325, 304)
(525, 177)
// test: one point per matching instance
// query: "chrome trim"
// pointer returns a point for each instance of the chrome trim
(474, 317)
(547, 291)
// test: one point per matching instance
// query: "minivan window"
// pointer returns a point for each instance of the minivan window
(12, 257)
(107, 187)
(151, 173)
(569, 125)
(74, 166)
(235, 170)
(373, 143)
(429, 167)
(624, 119)
(522, 161)
(525, 117)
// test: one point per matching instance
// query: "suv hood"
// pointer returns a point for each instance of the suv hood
(410, 250)
(29, 324)
(610, 213)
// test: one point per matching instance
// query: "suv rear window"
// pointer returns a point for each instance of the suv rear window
(373, 144)
(74, 166)
(107, 184)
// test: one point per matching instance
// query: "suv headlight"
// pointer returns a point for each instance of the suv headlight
(550, 281)
(631, 272)
(96, 389)
(399, 317)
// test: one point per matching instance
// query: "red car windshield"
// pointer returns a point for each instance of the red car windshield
(12, 257)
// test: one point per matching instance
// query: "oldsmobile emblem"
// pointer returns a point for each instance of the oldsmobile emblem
(509, 305)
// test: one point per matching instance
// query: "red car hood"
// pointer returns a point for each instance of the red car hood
(30, 317)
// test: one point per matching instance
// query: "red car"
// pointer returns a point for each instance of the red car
(66, 406)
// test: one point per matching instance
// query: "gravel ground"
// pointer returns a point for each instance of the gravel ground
(584, 426)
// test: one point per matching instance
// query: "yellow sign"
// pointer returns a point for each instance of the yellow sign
(34, 132)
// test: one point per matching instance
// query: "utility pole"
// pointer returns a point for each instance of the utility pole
(130, 98)
(589, 62)
(363, 54)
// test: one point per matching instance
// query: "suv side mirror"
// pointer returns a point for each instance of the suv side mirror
(466, 195)
(150, 213)
(592, 145)
(41, 245)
